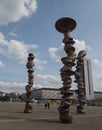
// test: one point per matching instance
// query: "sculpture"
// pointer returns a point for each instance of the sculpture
(65, 26)
(80, 82)
(28, 88)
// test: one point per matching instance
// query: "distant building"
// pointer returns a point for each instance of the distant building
(98, 98)
(54, 94)
(46, 94)
(2, 93)
(88, 81)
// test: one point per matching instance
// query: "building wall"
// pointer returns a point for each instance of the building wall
(46, 93)
(87, 75)
(51, 94)
(54, 94)
(98, 99)
(37, 94)
(98, 95)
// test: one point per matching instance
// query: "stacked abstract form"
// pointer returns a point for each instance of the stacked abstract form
(80, 82)
(65, 26)
(28, 88)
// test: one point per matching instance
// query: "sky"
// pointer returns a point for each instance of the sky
(28, 26)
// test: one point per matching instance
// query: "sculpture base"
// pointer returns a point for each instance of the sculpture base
(66, 118)
(80, 110)
(26, 110)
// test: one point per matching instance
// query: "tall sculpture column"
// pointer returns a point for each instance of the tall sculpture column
(28, 88)
(80, 82)
(65, 26)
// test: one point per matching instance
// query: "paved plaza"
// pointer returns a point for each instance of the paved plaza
(12, 117)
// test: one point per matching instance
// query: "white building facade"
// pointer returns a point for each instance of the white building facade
(88, 81)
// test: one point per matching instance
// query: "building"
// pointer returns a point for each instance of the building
(88, 81)
(54, 94)
(46, 94)
(98, 98)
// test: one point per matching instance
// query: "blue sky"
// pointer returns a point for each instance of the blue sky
(28, 26)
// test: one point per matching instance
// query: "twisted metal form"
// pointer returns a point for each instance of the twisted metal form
(28, 88)
(65, 25)
(80, 82)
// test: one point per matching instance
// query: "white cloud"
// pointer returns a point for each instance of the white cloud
(31, 46)
(58, 53)
(1, 36)
(14, 10)
(12, 34)
(15, 49)
(2, 65)
(37, 86)
(97, 79)
(97, 62)
(50, 80)
(80, 45)
(12, 86)
(39, 64)
(19, 86)
(18, 50)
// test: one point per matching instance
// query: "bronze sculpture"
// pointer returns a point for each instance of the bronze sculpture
(28, 88)
(65, 26)
(80, 82)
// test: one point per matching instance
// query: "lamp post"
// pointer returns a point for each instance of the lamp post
(28, 87)
(65, 26)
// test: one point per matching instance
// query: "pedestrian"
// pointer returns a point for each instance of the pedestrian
(45, 105)
(48, 105)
